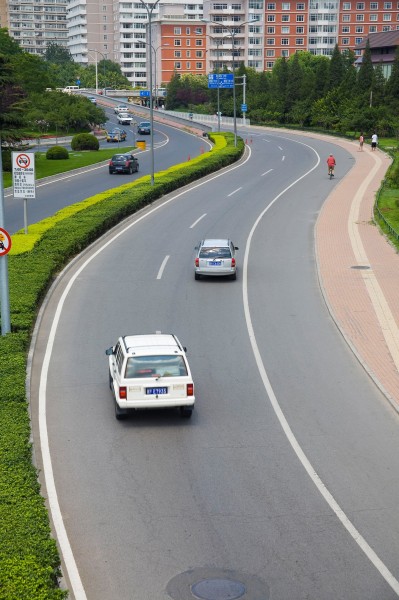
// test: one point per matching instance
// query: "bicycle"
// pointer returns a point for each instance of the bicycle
(331, 172)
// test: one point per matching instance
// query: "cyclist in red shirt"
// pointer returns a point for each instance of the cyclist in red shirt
(331, 164)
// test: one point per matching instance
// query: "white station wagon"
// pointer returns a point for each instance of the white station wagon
(150, 371)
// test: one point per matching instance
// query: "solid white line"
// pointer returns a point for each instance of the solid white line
(266, 172)
(360, 541)
(55, 509)
(161, 269)
(197, 221)
(235, 191)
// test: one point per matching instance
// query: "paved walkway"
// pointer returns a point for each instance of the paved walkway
(359, 270)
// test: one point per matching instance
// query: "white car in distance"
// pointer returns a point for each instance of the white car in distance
(124, 118)
(120, 108)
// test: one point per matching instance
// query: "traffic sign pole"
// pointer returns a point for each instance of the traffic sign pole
(4, 293)
(23, 175)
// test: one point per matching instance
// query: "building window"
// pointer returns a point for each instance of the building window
(285, 53)
(358, 40)
(386, 28)
(300, 18)
(177, 54)
(188, 66)
(177, 65)
(300, 6)
(285, 30)
(374, 17)
(198, 42)
(188, 42)
(359, 5)
(346, 18)
(387, 5)
(285, 6)
(373, 29)
(270, 52)
(177, 42)
(271, 18)
(285, 18)
(198, 54)
(300, 30)
(198, 31)
(299, 41)
(346, 6)
(346, 29)
(359, 29)
(270, 41)
(177, 30)
(386, 17)
(285, 41)
(359, 17)
(271, 30)
(269, 65)
(187, 30)
(188, 53)
(373, 5)
(271, 6)
(198, 65)
(345, 41)
(220, 7)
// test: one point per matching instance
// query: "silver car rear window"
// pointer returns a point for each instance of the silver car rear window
(152, 366)
(208, 252)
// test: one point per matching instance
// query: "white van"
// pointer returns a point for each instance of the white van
(71, 89)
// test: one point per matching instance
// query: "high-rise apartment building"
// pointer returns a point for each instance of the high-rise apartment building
(90, 30)
(36, 23)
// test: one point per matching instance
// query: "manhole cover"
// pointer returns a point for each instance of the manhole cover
(218, 589)
(364, 267)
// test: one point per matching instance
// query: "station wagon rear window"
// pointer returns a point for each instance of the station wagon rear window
(152, 366)
(215, 252)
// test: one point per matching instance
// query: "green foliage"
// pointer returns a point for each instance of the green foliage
(57, 153)
(85, 141)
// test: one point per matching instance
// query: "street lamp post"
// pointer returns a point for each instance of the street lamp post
(97, 53)
(218, 41)
(149, 13)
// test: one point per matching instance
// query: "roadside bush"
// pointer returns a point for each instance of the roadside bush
(57, 153)
(85, 141)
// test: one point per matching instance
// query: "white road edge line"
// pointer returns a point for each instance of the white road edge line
(197, 221)
(328, 497)
(235, 191)
(162, 267)
(52, 496)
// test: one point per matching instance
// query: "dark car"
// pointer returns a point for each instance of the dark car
(123, 163)
(144, 128)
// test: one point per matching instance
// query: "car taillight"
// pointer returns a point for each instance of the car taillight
(110, 162)
(233, 262)
(197, 262)
(122, 393)
(190, 389)
(127, 163)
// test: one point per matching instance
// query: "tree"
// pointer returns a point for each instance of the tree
(8, 46)
(294, 81)
(11, 98)
(57, 54)
(337, 68)
(392, 86)
(365, 76)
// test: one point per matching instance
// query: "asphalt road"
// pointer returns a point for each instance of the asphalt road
(172, 146)
(226, 505)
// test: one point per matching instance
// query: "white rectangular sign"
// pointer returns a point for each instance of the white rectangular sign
(23, 174)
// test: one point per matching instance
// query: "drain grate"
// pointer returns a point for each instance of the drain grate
(218, 589)
(361, 267)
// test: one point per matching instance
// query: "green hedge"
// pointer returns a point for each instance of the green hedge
(29, 560)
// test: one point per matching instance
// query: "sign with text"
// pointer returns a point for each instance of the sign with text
(220, 80)
(144, 93)
(23, 174)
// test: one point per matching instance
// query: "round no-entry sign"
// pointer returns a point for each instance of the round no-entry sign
(5, 242)
(23, 161)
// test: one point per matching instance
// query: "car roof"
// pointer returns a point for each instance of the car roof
(222, 242)
(145, 123)
(154, 343)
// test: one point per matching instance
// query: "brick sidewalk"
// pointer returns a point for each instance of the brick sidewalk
(359, 270)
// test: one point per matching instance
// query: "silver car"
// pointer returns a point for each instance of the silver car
(216, 257)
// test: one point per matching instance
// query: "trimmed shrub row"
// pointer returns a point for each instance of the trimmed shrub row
(29, 560)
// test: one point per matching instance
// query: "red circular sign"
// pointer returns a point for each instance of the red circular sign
(23, 161)
(5, 242)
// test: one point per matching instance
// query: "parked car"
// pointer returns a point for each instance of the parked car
(92, 99)
(150, 371)
(144, 128)
(124, 118)
(215, 257)
(120, 108)
(116, 135)
(123, 163)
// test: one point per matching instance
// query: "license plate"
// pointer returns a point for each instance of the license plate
(215, 263)
(154, 391)
(119, 168)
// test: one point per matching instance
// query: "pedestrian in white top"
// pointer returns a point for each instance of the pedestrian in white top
(374, 141)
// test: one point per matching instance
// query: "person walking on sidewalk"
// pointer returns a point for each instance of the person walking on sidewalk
(331, 164)
(374, 141)
(361, 142)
